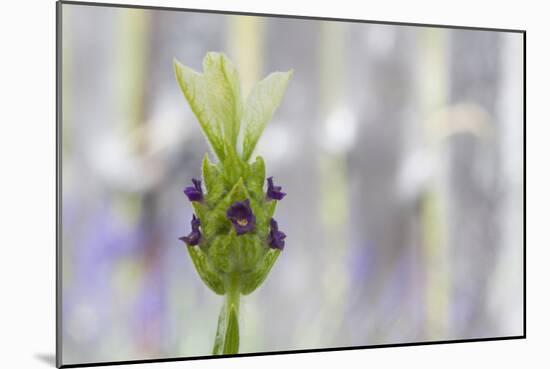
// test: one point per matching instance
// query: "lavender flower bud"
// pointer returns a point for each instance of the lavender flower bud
(238, 241)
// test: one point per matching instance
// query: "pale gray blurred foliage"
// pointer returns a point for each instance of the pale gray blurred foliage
(400, 148)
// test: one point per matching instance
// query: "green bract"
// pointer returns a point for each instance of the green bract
(230, 263)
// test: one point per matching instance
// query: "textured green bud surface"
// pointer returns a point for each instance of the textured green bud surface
(215, 98)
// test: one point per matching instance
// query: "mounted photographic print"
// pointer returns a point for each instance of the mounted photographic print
(235, 184)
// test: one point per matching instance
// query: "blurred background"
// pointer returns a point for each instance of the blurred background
(400, 148)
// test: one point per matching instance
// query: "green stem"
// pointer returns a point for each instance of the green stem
(227, 335)
(232, 298)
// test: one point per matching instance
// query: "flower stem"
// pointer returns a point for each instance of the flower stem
(232, 297)
(227, 335)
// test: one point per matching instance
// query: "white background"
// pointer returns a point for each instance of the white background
(27, 190)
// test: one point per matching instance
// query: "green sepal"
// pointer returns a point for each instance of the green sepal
(271, 206)
(252, 280)
(200, 210)
(206, 272)
(237, 193)
(250, 250)
(210, 173)
(222, 253)
(214, 186)
(233, 167)
(262, 218)
(255, 178)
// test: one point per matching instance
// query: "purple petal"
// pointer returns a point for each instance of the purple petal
(242, 217)
(194, 193)
(197, 184)
(274, 192)
(276, 238)
(193, 238)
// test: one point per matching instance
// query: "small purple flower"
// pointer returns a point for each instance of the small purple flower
(242, 217)
(194, 193)
(193, 238)
(274, 192)
(276, 238)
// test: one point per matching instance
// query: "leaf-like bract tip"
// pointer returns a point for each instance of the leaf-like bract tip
(261, 104)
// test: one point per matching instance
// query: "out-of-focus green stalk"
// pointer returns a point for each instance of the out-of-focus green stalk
(245, 40)
(132, 44)
(433, 97)
(131, 57)
(333, 174)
